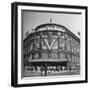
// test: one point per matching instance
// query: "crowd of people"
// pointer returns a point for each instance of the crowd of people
(50, 68)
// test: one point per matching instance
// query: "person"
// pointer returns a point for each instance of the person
(45, 71)
(42, 69)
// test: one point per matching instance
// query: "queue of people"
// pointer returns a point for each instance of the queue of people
(48, 68)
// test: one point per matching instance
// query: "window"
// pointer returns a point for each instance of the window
(44, 55)
(54, 55)
(73, 58)
(31, 46)
(67, 42)
(62, 56)
(36, 56)
(62, 44)
(69, 57)
(78, 49)
(36, 45)
(44, 45)
(30, 57)
(55, 45)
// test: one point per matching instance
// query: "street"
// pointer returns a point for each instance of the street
(28, 73)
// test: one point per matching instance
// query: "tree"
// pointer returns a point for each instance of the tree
(27, 33)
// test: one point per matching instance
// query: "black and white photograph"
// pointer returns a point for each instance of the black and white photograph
(50, 44)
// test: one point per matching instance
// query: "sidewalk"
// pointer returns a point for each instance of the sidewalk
(28, 73)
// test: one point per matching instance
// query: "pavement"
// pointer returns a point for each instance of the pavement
(28, 73)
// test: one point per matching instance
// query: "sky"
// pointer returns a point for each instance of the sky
(31, 19)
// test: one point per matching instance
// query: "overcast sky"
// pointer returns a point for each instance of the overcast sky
(32, 19)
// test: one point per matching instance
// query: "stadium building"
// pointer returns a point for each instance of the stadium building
(51, 47)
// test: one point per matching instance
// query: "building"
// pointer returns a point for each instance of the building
(51, 45)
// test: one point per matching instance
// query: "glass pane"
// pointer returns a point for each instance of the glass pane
(55, 45)
(44, 45)
(44, 55)
(54, 55)
(36, 56)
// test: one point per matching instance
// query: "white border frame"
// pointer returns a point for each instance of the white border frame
(32, 80)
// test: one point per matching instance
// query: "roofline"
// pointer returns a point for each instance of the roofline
(43, 25)
(66, 30)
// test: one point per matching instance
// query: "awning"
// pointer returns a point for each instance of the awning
(48, 60)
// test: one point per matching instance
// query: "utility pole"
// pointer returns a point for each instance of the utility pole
(45, 69)
(50, 20)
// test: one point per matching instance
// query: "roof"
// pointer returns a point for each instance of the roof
(57, 25)
(48, 24)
